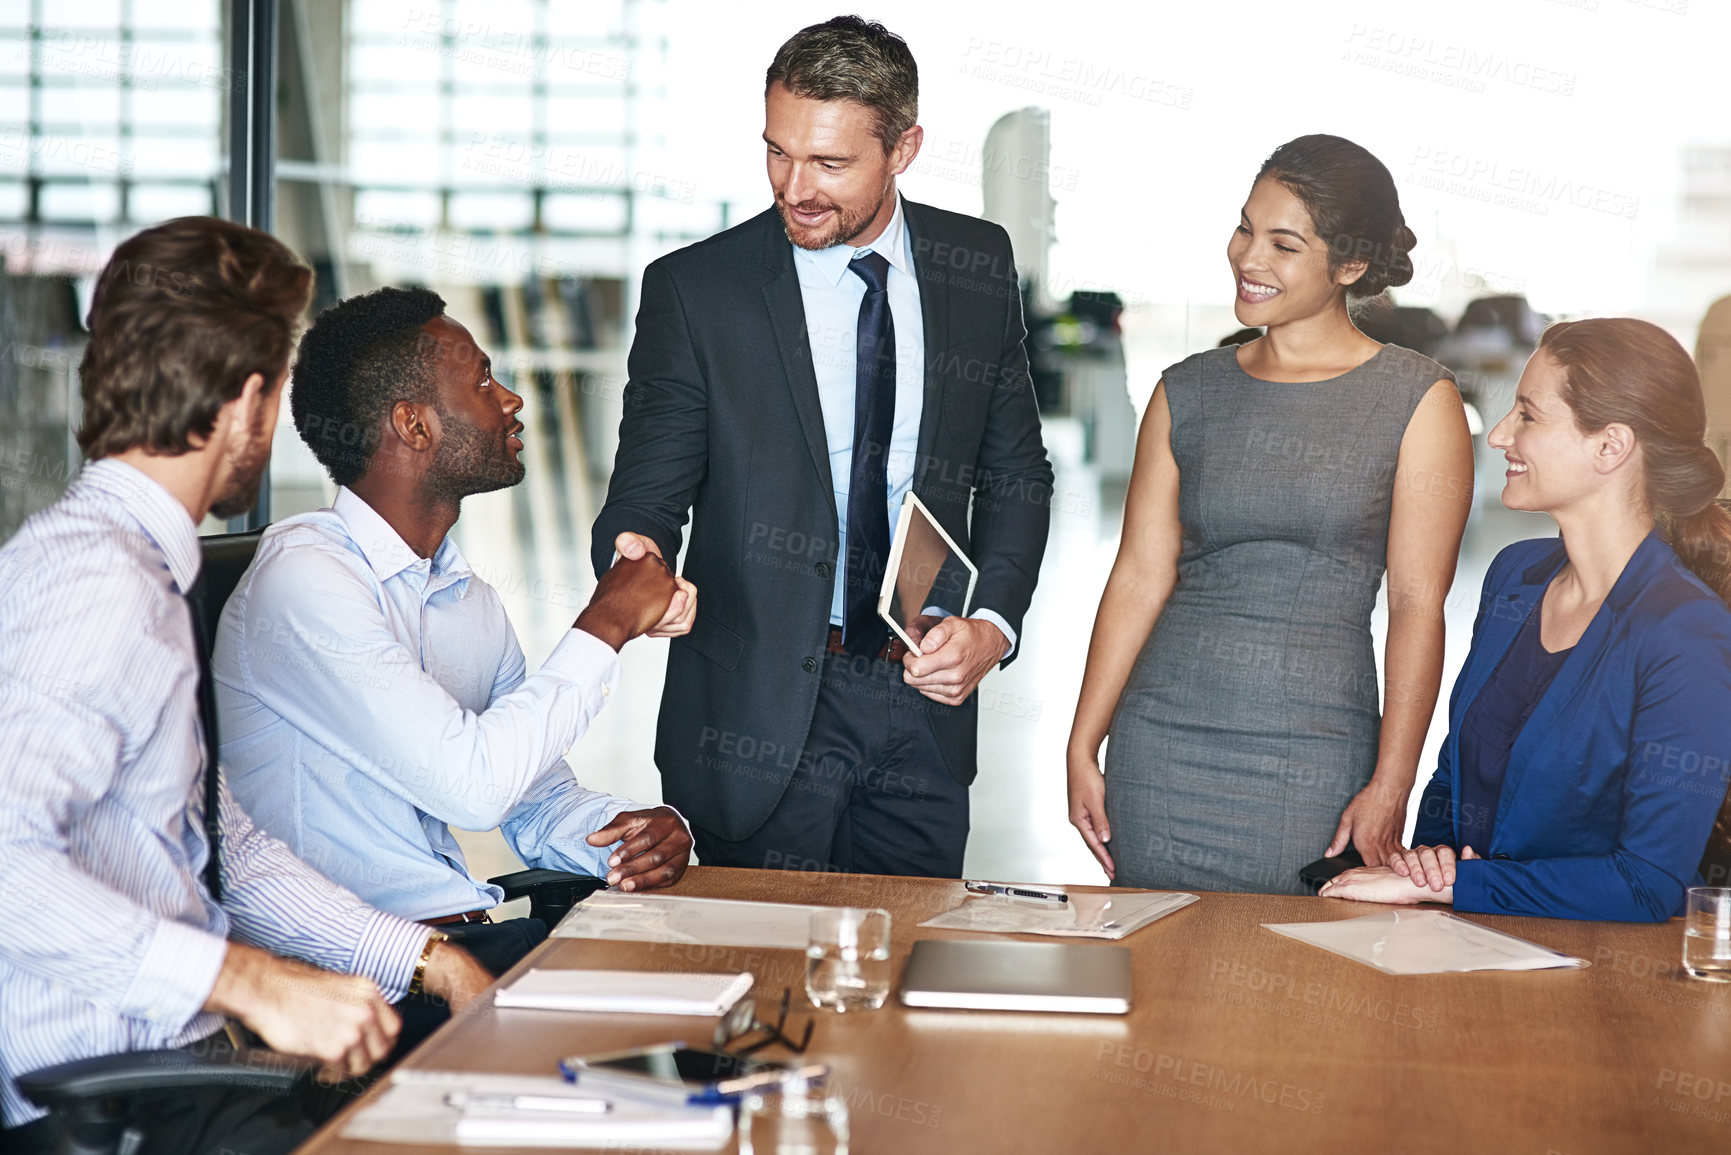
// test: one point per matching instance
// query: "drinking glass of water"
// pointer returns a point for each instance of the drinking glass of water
(847, 959)
(797, 1117)
(1706, 934)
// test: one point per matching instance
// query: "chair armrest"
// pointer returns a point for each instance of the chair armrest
(144, 1072)
(551, 893)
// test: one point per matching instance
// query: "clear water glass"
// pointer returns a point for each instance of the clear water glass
(1707, 934)
(796, 1118)
(847, 959)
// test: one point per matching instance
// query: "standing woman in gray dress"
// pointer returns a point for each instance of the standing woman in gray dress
(1231, 663)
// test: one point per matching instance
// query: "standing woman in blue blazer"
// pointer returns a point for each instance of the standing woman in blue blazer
(1590, 728)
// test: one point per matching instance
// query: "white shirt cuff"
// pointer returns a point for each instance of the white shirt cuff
(176, 974)
(996, 619)
(388, 951)
(585, 659)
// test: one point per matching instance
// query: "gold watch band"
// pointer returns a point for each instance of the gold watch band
(417, 984)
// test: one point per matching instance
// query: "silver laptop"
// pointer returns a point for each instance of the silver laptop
(1018, 976)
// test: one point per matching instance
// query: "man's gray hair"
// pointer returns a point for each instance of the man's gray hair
(849, 58)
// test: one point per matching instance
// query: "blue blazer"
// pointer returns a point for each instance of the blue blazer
(1613, 784)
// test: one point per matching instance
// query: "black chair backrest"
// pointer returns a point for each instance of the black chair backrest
(226, 556)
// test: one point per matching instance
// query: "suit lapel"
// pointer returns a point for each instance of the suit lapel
(1577, 668)
(935, 315)
(786, 307)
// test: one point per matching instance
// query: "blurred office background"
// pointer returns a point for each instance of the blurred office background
(526, 159)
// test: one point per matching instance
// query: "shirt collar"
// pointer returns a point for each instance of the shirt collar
(384, 548)
(892, 245)
(157, 512)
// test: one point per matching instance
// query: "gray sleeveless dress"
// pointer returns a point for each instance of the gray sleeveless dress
(1250, 719)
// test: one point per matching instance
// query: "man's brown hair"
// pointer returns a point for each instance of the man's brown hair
(183, 314)
(848, 58)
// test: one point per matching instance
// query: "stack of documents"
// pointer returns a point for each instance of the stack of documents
(1110, 916)
(626, 992)
(482, 1110)
(675, 918)
(1424, 942)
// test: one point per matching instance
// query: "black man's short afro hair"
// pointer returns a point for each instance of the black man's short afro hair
(360, 358)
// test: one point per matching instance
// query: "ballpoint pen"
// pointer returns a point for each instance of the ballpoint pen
(504, 1102)
(1016, 891)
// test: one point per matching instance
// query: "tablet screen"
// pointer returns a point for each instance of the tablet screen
(928, 578)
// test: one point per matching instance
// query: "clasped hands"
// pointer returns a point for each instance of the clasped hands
(1422, 874)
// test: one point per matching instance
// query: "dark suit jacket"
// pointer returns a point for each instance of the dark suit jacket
(1614, 781)
(722, 418)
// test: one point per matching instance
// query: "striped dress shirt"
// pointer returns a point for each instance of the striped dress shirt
(110, 942)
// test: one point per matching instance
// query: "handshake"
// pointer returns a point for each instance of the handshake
(640, 595)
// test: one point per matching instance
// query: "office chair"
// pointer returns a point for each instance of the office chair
(97, 1099)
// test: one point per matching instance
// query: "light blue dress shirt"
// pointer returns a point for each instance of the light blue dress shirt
(832, 297)
(371, 699)
(108, 940)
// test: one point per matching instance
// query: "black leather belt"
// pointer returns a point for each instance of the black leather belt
(893, 650)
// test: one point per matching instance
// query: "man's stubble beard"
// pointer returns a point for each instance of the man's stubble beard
(245, 465)
(465, 465)
(846, 227)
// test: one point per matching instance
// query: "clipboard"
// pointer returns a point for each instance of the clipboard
(926, 571)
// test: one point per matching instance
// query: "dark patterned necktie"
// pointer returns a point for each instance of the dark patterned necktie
(212, 772)
(874, 407)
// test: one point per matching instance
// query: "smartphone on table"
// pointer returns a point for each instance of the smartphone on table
(676, 1073)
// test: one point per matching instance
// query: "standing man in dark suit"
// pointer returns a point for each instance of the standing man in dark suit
(791, 380)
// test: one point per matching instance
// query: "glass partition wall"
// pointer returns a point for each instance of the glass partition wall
(110, 120)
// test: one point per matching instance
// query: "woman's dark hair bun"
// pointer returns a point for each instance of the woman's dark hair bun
(1353, 206)
(1399, 267)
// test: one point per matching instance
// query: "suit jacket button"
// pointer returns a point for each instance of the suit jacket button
(809, 665)
(823, 569)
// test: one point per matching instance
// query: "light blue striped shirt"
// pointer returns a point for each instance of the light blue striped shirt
(832, 295)
(372, 698)
(108, 940)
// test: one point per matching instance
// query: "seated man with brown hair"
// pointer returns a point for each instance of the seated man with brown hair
(135, 919)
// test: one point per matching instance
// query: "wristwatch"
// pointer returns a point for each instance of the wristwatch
(417, 985)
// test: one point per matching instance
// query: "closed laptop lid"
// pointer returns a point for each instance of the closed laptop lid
(1018, 976)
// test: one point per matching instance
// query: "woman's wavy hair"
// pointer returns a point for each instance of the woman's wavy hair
(1619, 370)
(182, 315)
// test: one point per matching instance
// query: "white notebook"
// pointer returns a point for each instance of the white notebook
(626, 992)
(416, 1108)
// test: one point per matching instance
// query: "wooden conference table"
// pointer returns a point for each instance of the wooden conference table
(1240, 1040)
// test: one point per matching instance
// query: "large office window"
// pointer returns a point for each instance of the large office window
(109, 121)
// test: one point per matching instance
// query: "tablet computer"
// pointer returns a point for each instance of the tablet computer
(1018, 976)
(927, 577)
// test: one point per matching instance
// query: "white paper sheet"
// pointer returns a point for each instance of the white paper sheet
(1110, 916)
(675, 918)
(412, 1109)
(625, 992)
(1424, 942)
